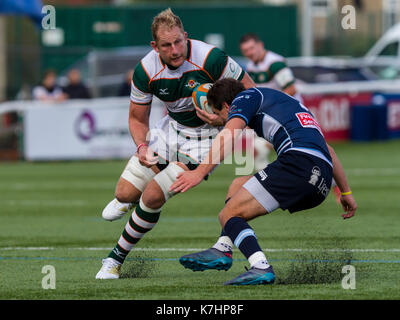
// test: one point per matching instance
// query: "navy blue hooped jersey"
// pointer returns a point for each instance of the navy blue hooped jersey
(280, 119)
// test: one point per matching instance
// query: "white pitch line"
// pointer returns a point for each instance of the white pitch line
(45, 203)
(373, 171)
(197, 249)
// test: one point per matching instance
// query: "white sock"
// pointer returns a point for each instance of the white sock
(258, 260)
(223, 244)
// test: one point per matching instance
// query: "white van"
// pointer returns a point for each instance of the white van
(377, 70)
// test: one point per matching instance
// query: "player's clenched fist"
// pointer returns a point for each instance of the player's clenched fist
(146, 156)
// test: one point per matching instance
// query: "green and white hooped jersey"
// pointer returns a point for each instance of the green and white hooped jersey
(271, 72)
(204, 64)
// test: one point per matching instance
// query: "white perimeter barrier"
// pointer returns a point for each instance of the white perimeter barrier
(98, 128)
(78, 129)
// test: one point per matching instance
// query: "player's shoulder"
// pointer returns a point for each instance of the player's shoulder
(201, 51)
(149, 65)
(276, 63)
(248, 96)
(250, 65)
(272, 57)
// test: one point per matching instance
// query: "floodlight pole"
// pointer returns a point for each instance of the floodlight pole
(3, 59)
(307, 34)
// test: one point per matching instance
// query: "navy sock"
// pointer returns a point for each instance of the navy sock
(242, 235)
(222, 231)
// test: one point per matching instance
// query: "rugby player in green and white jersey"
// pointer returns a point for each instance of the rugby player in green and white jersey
(171, 71)
(267, 69)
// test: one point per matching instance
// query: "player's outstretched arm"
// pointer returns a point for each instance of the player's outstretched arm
(221, 147)
(346, 198)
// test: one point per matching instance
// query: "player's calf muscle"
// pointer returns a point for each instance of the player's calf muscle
(241, 205)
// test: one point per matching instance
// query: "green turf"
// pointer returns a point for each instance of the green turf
(58, 205)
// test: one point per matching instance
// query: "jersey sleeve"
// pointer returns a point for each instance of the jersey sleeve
(140, 91)
(245, 105)
(281, 74)
(218, 65)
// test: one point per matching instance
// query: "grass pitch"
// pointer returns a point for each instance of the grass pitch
(50, 214)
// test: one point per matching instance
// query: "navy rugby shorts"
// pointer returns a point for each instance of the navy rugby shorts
(295, 181)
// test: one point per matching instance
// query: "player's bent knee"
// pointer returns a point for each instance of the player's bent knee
(153, 196)
(167, 177)
(126, 192)
(227, 214)
(137, 175)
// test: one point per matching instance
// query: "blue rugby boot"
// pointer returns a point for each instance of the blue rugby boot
(207, 259)
(254, 276)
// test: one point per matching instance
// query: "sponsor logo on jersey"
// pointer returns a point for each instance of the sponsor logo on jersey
(191, 84)
(234, 109)
(164, 91)
(261, 77)
(263, 175)
(307, 121)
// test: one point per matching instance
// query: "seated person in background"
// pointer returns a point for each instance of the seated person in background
(125, 88)
(75, 88)
(48, 90)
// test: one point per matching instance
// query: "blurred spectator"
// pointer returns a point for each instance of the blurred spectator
(24, 93)
(267, 68)
(48, 90)
(75, 88)
(125, 88)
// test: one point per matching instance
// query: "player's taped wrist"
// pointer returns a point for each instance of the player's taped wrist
(345, 193)
(141, 145)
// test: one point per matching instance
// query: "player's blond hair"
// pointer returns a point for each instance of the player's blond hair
(167, 19)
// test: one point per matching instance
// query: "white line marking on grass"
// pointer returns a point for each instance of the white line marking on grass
(198, 249)
(34, 186)
(373, 171)
(45, 203)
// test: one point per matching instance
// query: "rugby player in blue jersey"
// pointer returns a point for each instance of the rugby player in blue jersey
(300, 178)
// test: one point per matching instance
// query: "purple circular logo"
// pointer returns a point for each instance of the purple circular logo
(85, 126)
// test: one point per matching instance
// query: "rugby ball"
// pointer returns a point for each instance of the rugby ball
(199, 97)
